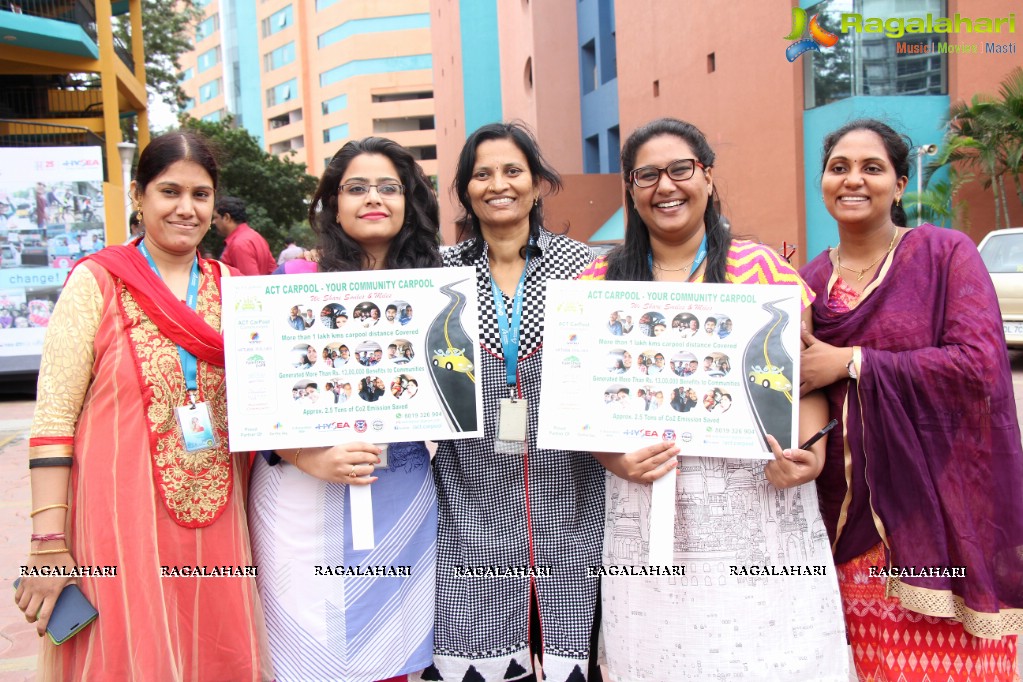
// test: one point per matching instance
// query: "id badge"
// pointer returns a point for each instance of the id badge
(511, 427)
(196, 426)
(383, 456)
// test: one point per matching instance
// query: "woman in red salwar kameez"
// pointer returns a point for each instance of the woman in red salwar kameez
(133, 354)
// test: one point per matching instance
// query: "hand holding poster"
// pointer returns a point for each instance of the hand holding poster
(326, 358)
(712, 366)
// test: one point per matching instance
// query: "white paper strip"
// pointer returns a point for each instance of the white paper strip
(361, 513)
(662, 520)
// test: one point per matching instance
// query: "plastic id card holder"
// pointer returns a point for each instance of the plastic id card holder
(511, 427)
(71, 613)
(196, 426)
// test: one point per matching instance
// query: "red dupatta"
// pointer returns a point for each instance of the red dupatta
(931, 440)
(173, 317)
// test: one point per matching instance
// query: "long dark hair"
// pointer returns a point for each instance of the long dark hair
(168, 149)
(417, 243)
(543, 174)
(896, 144)
(631, 260)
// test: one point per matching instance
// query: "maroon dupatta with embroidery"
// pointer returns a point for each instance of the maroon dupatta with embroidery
(931, 442)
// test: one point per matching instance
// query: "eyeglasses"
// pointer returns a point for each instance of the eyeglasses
(361, 189)
(679, 170)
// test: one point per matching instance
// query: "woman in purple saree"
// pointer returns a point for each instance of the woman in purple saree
(922, 488)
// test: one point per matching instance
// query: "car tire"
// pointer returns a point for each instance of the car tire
(436, 363)
(765, 383)
(449, 366)
(752, 379)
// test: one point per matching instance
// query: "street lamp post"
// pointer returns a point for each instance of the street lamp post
(127, 152)
(921, 151)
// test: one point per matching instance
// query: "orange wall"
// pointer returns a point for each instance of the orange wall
(749, 107)
(448, 104)
(584, 205)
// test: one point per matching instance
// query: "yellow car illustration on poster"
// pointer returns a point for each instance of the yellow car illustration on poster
(771, 377)
(452, 359)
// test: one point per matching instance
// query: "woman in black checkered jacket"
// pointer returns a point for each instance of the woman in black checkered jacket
(518, 525)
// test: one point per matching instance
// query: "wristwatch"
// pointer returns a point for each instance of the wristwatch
(851, 368)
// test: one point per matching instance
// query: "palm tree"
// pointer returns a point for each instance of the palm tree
(987, 135)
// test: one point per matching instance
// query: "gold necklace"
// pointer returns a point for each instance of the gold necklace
(684, 268)
(861, 273)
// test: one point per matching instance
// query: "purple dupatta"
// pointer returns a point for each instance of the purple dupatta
(930, 441)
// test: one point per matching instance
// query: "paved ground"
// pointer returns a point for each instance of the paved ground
(18, 641)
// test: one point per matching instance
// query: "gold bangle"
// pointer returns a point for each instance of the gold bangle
(48, 507)
(297, 455)
(49, 551)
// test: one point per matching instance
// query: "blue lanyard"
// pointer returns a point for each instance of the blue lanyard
(701, 254)
(189, 364)
(510, 331)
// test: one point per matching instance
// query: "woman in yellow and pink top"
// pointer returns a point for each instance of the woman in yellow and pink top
(729, 512)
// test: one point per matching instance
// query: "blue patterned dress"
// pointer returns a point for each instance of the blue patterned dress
(353, 628)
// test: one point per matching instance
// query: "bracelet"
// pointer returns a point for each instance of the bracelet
(50, 462)
(297, 455)
(48, 507)
(46, 537)
(39, 552)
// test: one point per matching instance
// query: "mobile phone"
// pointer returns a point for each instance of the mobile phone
(71, 613)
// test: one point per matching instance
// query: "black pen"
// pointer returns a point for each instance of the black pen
(820, 434)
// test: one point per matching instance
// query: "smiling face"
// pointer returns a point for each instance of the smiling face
(501, 190)
(177, 207)
(371, 220)
(859, 184)
(672, 210)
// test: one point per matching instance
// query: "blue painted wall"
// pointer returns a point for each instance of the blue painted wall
(919, 117)
(366, 67)
(481, 63)
(249, 99)
(599, 107)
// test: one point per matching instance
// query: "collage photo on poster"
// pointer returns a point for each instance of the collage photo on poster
(339, 367)
(658, 364)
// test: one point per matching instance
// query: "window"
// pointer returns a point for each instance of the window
(214, 117)
(189, 104)
(588, 66)
(386, 126)
(335, 104)
(283, 55)
(354, 27)
(336, 133)
(209, 90)
(278, 21)
(402, 96)
(187, 75)
(207, 28)
(282, 93)
(424, 153)
(591, 154)
(872, 63)
(208, 59)
(324, 4)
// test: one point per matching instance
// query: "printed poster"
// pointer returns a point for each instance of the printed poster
(326, 358)
(51, 214)
(712, 366)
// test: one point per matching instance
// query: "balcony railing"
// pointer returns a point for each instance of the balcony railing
(81, 12)
(50, 101)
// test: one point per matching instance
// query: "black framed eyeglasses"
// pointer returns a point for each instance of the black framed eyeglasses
(678, 170)
(361, 189)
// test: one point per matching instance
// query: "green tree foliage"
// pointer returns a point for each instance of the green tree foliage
(276, 190)
(168, 30)
(986, 136)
